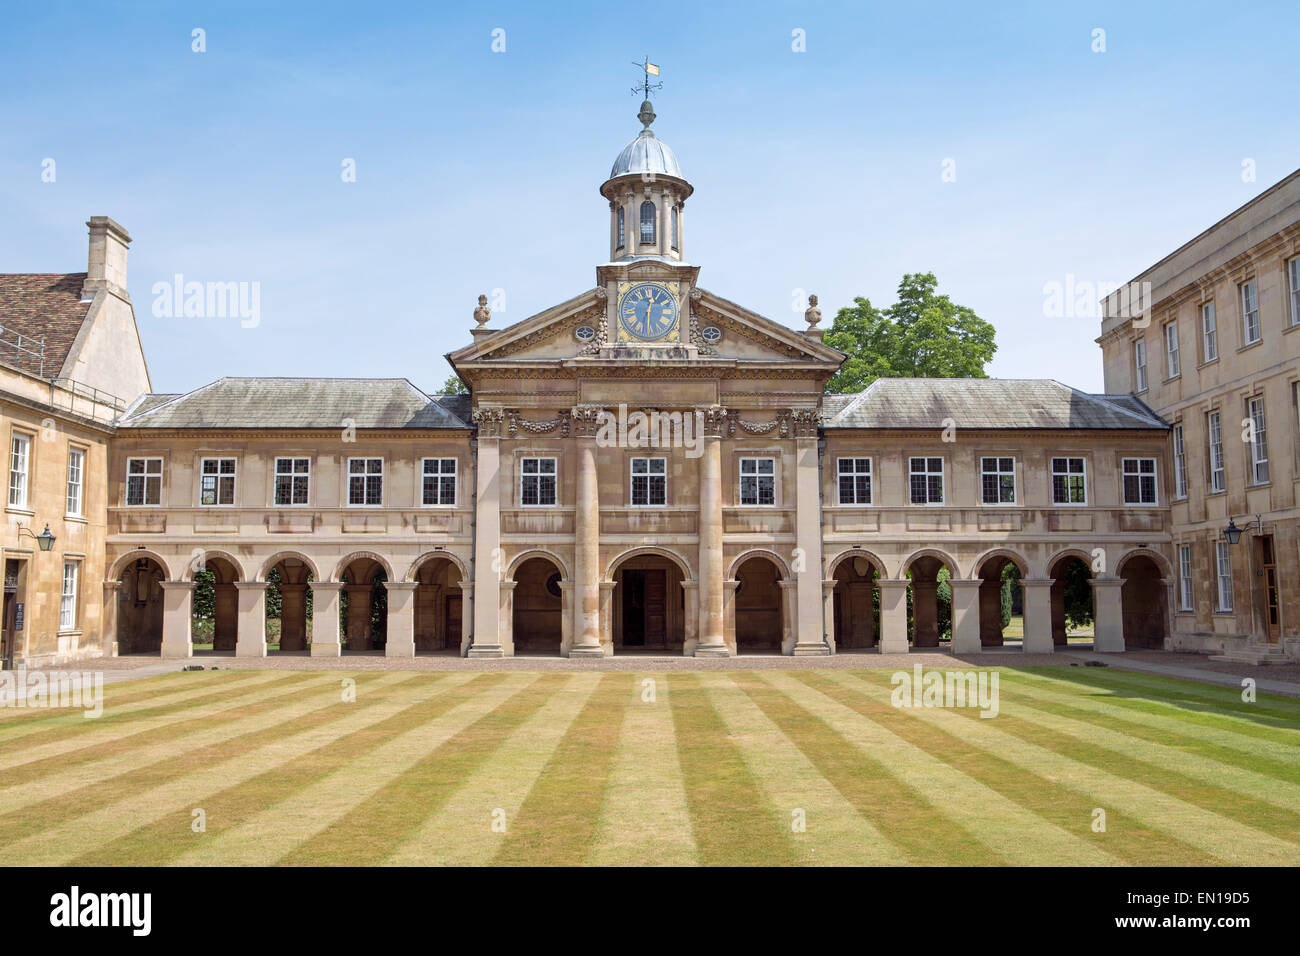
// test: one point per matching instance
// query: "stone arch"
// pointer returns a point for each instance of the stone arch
(941, 556)
(682, 564)
(1082, 555)
(780, 562)
(374, 556)
(140, 602)
(121, 564)
(1161, 562)
(536, 611)
(279, 556)
(760, 605)
(551, 556)
(210, 554)
(1015, 557)
(414, 569)
(1056, 569)
(876, 561)
(1144, 600)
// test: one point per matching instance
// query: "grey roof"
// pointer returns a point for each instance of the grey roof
(300, 403)
(984, 403)
(646, 154)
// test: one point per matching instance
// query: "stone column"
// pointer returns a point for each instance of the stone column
(251, 639)
(506, 616)
(925, 613)
(665, 238)
(691, 618)
(607, 617)
(586, 538)
(360, 597)
(566, 617)
(293, 617)
(729, 588)
(789, 615)
(466, 617)
(325, 619)
(828, 614)
(488, 559)
(177, 618)
(810, 631)
(893, 616)
(711, 624)
(108, 618)
(965, 615)
(401, 619)
(1107, 614)
(1038, 615)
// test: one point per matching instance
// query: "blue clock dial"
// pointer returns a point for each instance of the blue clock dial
(648, 312)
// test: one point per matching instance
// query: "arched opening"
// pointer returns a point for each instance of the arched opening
(288, 605)
(929, 598)
(621, 241)
(1145, 609)
(363, 606)
(1073, 611)
(537, 602)
(215, 607)
(140, 607)
(438, 607)
(1001, 600)
(649, 607)
(648, 222)
(760, 607)
(857, 603)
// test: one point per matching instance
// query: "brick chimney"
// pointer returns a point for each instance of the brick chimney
(106, 268)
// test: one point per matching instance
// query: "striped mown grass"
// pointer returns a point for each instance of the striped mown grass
(742, 767)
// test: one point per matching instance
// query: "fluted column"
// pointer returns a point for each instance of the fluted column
(586, 539)
(711, 623)
(488, 564)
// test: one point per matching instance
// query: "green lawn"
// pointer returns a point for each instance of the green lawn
(575, 767)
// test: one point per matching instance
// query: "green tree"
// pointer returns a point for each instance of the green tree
(922, 335)
(1078, 595)
(454, 386)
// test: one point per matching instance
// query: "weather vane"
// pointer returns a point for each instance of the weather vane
(646, 87)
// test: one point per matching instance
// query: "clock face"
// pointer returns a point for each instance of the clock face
(647, 312)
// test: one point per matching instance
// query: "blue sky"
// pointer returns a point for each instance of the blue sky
(476, 171)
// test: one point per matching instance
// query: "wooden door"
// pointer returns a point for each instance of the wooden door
(1272, 613)
(656, 607)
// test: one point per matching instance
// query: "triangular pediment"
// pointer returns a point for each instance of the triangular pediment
(715, 331)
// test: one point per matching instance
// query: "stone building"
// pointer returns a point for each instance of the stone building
(647, 467)
(1209, 337)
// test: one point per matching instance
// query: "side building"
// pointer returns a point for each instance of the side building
(1209, 337)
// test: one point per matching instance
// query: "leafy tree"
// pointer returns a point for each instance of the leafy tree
(922, 335)
(454, 386)
(1078, 594)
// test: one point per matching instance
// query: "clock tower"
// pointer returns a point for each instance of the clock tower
(647, 280)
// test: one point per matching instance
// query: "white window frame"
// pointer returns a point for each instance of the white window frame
(537, 476)
(1214, 443)
(1067, 474)
(1139, 474)
(999, 472)
(1223, 577)
(1140, 365)
(1180, 462)
(75, 497)
(293, 475)
(70, 595)
(1259, 468)
(20, 470)
(1293, 281)
(757, 477)
(365, 476)
(222, 478)
(854, 473)
(1209, 331)
(144, 478)
(1173, 364)
(1248, 300)
(928, 472)
(439, 476)
(1186, 587)
(633, 475)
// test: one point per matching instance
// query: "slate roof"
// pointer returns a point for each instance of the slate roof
(301, 403)
(40, 306)
(984, 403)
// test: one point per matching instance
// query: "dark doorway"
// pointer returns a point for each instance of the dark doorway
(14, 612)
(645, 607)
